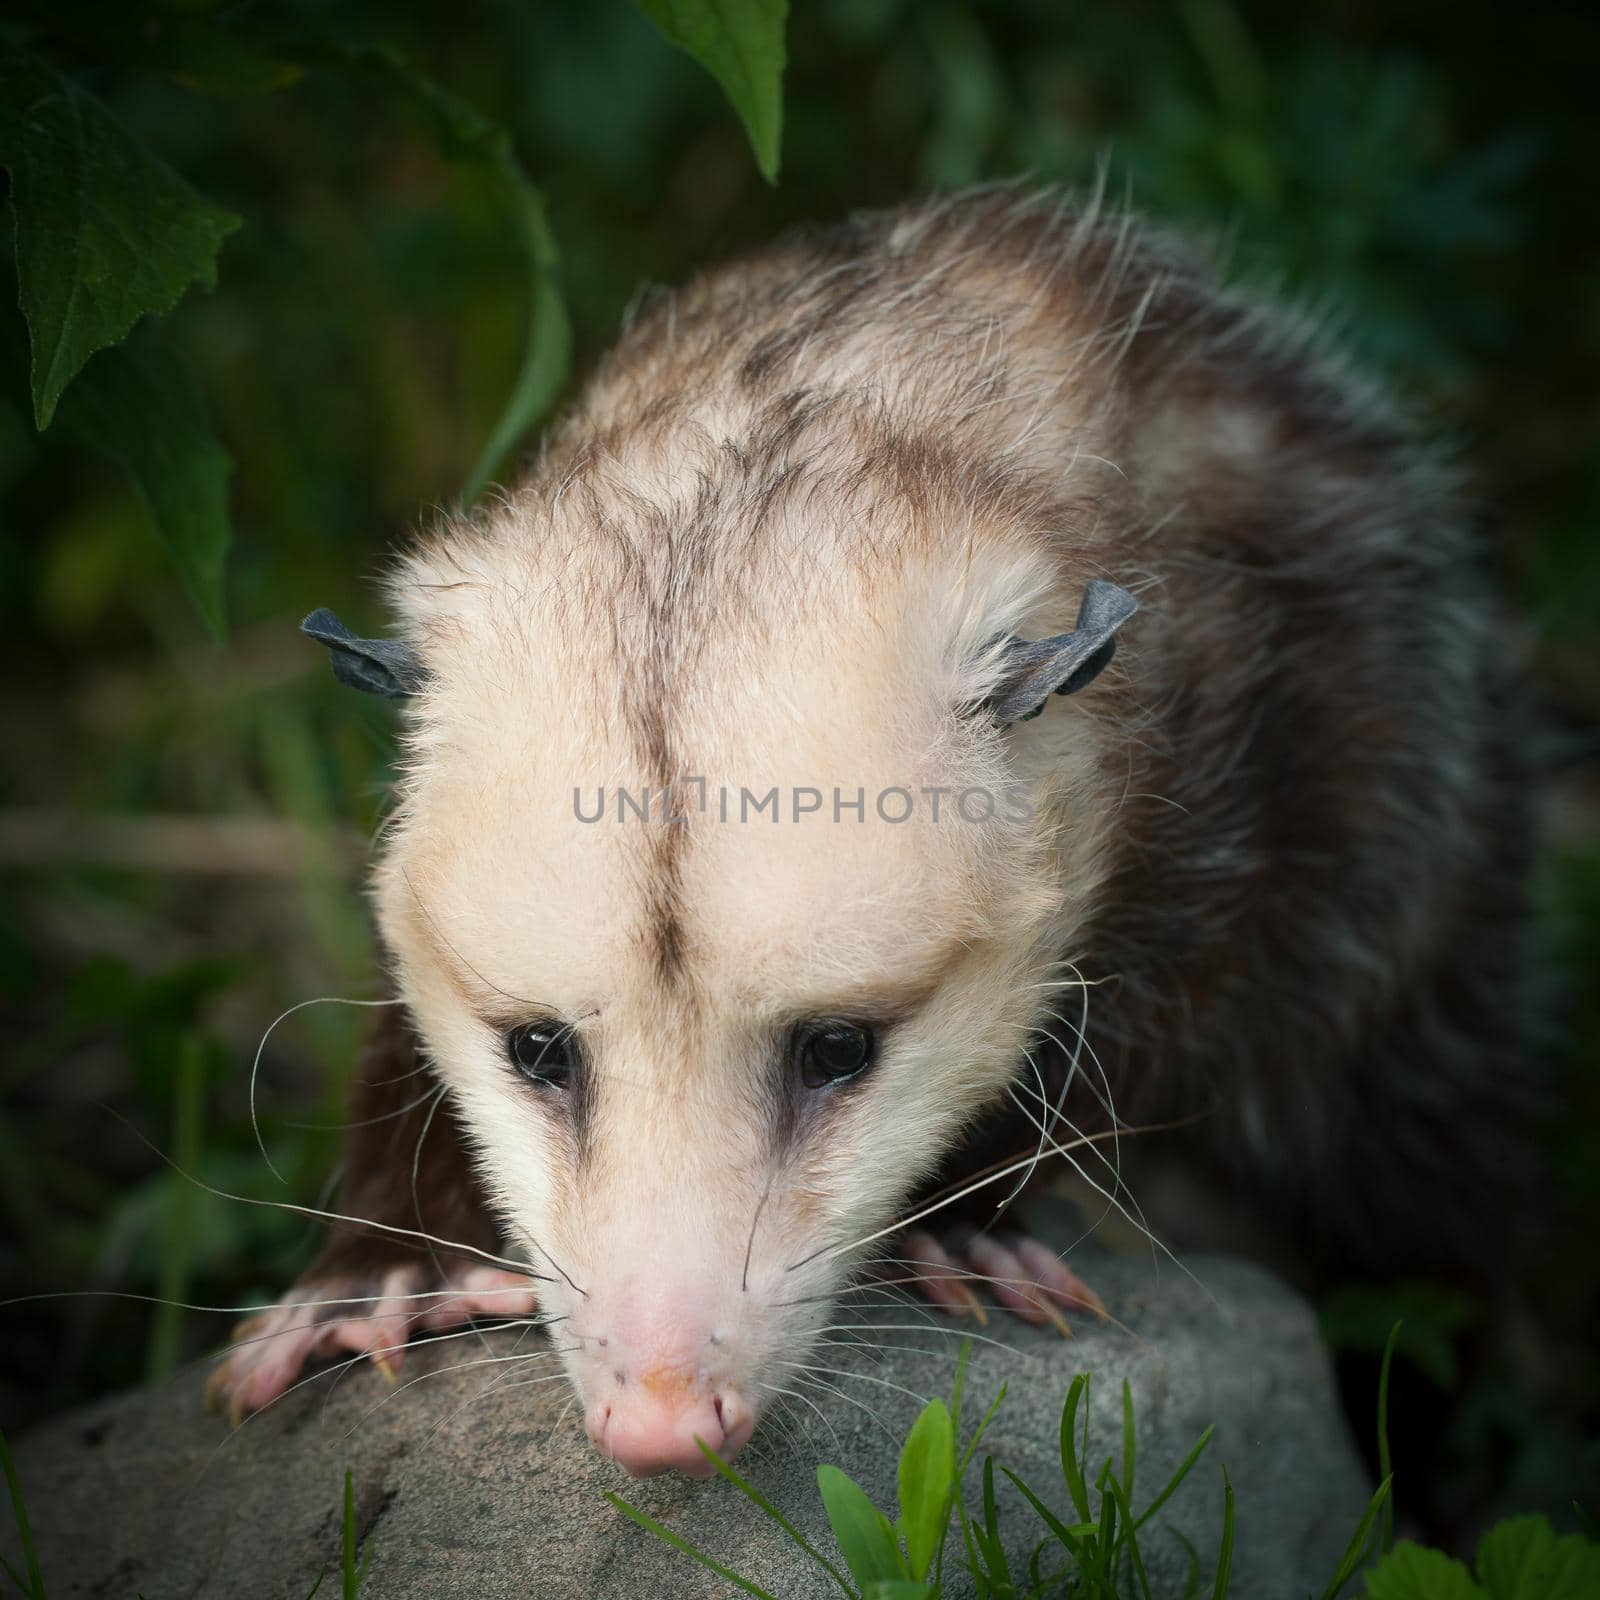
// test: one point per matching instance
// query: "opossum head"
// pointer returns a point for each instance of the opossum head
(706, 1053)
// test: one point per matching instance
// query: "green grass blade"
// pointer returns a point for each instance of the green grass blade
(1191, 1579)
(1129, 1535)
(12, 1573)
(1219, 1588)
(1064, 1535)
(959, 1386)
(1071, 1470)
(367, 1552)
(980, 1584)
(1128, 1450)
(1385, 1467)
(348, 1561)
(1356, 1551)
(34, 1588)
(1106, 1534)
(1177, 1478)
(760, 1501)
(316, 1588)
(178, 1209)
(982, 1428)
(650, 1525)
(993, 1548)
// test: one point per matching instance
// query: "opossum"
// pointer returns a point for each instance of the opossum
(838, 523)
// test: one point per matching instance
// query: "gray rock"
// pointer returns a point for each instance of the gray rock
(467, 1490)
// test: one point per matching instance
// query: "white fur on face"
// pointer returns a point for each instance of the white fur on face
(705, 1194)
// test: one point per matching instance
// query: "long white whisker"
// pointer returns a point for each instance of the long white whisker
(335, 1368)
(1157, 1244)
(255, 1065)
(495, 1387)
(236, 1311)
(805, 1399)
(364, 1122)
(931, 1326)
(829, 1252)
(811, 1381)
(337, 1216)
(439, 1372)
(865, 1377)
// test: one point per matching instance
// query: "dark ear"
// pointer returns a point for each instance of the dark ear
(376, 666)
(1064, 663)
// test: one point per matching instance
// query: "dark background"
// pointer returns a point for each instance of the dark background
(182, 824)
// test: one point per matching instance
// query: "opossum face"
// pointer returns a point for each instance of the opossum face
(707, 1050)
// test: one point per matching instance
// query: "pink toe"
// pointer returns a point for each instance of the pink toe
(940, 1277)
(1009, 1279)
(1053, 1275)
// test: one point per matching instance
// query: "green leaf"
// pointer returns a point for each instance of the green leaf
(1522, 1559)
(140, 406)
(740, 43)
(865, 1538)
(897, 1589)
(927, 1472)
(106, 232)
(548, 351)
(1409, 1572)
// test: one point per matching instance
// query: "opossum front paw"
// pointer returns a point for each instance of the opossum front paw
(365, 1316)
(960, 1269)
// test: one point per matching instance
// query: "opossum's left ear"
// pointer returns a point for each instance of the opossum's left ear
(375, 666)
(1064, 663)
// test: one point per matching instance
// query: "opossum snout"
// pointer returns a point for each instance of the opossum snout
(651, 1426)
(651, 1396)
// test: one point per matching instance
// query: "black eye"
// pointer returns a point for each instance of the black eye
(830, 1052)
(543, 1052)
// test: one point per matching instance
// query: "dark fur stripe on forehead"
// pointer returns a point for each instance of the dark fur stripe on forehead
(663, 926)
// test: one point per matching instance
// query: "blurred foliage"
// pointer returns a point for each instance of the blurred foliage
(182, 824)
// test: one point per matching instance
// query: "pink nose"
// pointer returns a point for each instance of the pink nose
(651, 1426)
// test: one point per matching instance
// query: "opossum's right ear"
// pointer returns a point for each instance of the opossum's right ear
(375, 666)
(1064, 663)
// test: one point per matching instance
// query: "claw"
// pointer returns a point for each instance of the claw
(1026, 1279)
(969, 1302)
(370, 1316)
(215, 1386)
(1055, 1319)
